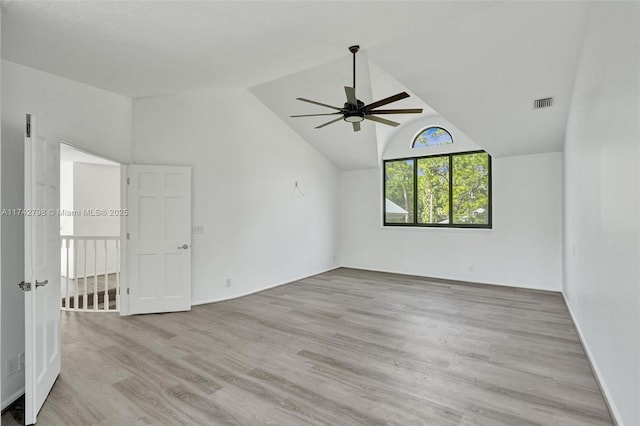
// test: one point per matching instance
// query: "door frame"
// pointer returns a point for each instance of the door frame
(124, 226)
(124, 297)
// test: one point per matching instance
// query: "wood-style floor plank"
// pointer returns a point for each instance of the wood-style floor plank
(347, 347)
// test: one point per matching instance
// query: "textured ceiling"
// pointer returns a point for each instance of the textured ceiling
(142, 48)
(478, 64)
(485, 71)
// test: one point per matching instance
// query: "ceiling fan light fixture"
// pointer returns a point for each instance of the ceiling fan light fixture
(353, 116)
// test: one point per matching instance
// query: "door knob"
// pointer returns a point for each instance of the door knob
(184, 246)
(41, 284)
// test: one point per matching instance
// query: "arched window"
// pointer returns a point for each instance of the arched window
(432, 136)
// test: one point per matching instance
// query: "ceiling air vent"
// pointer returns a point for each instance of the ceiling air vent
(542, 103)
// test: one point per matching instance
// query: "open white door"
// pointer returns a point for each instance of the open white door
(42, 267)
(159, 239)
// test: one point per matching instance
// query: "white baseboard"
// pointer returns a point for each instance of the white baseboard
(460, 280)
(12, 398)
(613, 410)
(258, 290)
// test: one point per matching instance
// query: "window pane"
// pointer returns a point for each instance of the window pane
(398, 181)
(433, 190)
(471, 189)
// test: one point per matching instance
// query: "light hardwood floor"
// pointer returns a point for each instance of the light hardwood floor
(346, 347)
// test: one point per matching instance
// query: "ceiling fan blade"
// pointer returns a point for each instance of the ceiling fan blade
(314, 115)
(351, 95)
(356, 127)
(318, 103)
(381, 120)
(397, 111)
(328, 122)
(388, 100)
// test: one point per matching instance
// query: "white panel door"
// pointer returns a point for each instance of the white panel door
(42, 267)
(159, 239)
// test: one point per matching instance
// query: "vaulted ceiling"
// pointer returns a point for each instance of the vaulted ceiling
(477, 64)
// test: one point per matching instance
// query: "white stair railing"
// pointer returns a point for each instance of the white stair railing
(90, 279)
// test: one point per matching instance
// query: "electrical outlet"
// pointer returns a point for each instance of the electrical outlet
(228, 282)
(21, 361)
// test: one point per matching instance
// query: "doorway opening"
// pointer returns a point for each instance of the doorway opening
(90, 220)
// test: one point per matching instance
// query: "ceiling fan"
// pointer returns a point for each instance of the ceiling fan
(354, 110)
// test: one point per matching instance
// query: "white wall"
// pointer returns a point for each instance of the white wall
(602, 238)
(66, 197)
(90, 118)
(524, 248)
(1, 355)
(94, 187)
(259, 230)
(66, 222)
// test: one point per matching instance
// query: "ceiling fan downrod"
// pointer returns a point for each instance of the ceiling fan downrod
(354, 50)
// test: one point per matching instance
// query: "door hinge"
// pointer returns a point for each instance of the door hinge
(128, 181)
(25, 286)
(28, 129)
(128, 236)
(127, 291)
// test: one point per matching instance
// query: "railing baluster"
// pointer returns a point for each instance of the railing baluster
(85, 296)
(118, 275)
(105, 299)
(61, 273)
(66, 293)
(75, 274)
(95, 275)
